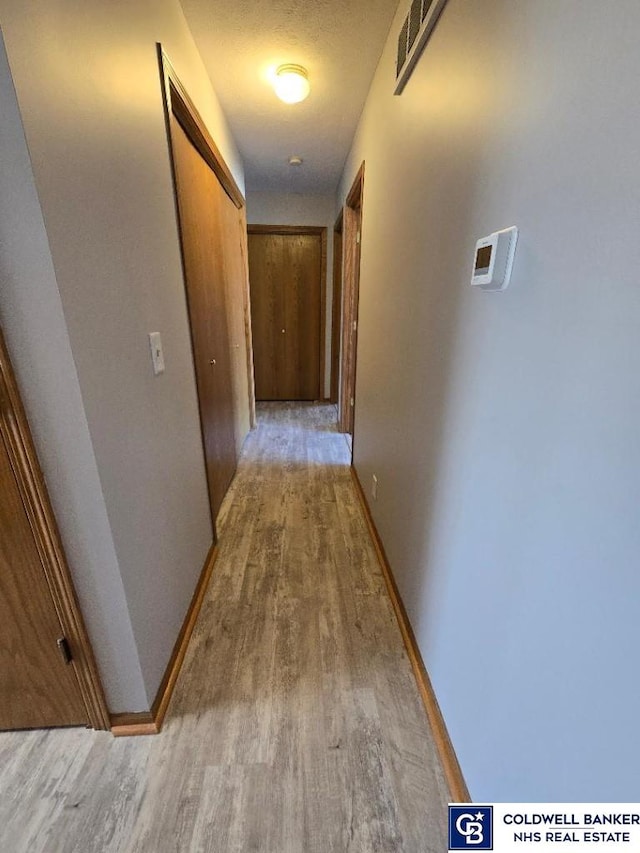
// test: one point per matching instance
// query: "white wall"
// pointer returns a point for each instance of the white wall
(504, 427)
(89, 93)
(36, 333)
(295, 209)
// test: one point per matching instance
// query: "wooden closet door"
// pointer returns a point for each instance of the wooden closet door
(236, 294)
(300, 355)
(285, 274)
(37, 688)
(201, 205)
(267, 310)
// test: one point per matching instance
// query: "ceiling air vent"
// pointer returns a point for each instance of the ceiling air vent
(415, 20)
(414, 34)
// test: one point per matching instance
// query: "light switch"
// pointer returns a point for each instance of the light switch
(157, 356)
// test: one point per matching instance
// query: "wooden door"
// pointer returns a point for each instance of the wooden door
(237, 298)
(286, 274)
(352, 233)
(37, 687)
(336, 310)
(204, 207)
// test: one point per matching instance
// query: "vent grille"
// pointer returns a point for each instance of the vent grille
(415, 32)
(426, 5)
(414, 22)
(402, 47)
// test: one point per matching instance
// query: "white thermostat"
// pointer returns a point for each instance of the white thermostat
(493, 260)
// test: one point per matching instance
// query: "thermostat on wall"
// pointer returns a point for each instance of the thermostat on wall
(494, 259)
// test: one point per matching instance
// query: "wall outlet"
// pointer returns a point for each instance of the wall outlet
(374, 487)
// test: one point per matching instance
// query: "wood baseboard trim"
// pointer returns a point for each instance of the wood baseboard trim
(165, 691)
(150, 722)
(453, 773)
(126, 725)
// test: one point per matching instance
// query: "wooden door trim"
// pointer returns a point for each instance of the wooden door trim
(248, 334)
(336, 310)
(177, 97)
(321, 231)
(31, 484)
(354, 196)
(286, 229)
(350, 300)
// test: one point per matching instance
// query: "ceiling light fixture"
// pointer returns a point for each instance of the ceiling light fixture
(295, 160)
(291, 83)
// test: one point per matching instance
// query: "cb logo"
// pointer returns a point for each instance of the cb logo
(471, 827)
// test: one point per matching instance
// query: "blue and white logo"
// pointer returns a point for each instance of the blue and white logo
(471, 827)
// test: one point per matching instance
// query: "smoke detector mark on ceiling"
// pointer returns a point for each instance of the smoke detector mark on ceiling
(243, 44)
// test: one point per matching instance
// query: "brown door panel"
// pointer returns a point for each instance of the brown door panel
(285, 272)
(205, 210)
(37, 688)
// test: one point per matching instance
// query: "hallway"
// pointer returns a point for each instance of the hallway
(296, 725)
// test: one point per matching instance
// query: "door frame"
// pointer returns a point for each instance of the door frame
(177, 101)
(336, 308)
(351, 245)
(301, 230)
(33, 492)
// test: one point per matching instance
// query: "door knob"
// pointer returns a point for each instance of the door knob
(213, 361)
(283, 331)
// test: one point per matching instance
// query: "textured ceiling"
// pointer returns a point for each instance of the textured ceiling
(338, 41)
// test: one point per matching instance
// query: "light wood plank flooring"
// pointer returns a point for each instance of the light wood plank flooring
(296, 725)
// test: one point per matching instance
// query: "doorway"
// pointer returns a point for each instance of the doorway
(287, 275)
(351, 246)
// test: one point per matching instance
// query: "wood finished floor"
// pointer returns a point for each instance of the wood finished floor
(296, 725)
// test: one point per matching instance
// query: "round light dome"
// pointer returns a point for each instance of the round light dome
(291, 83)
